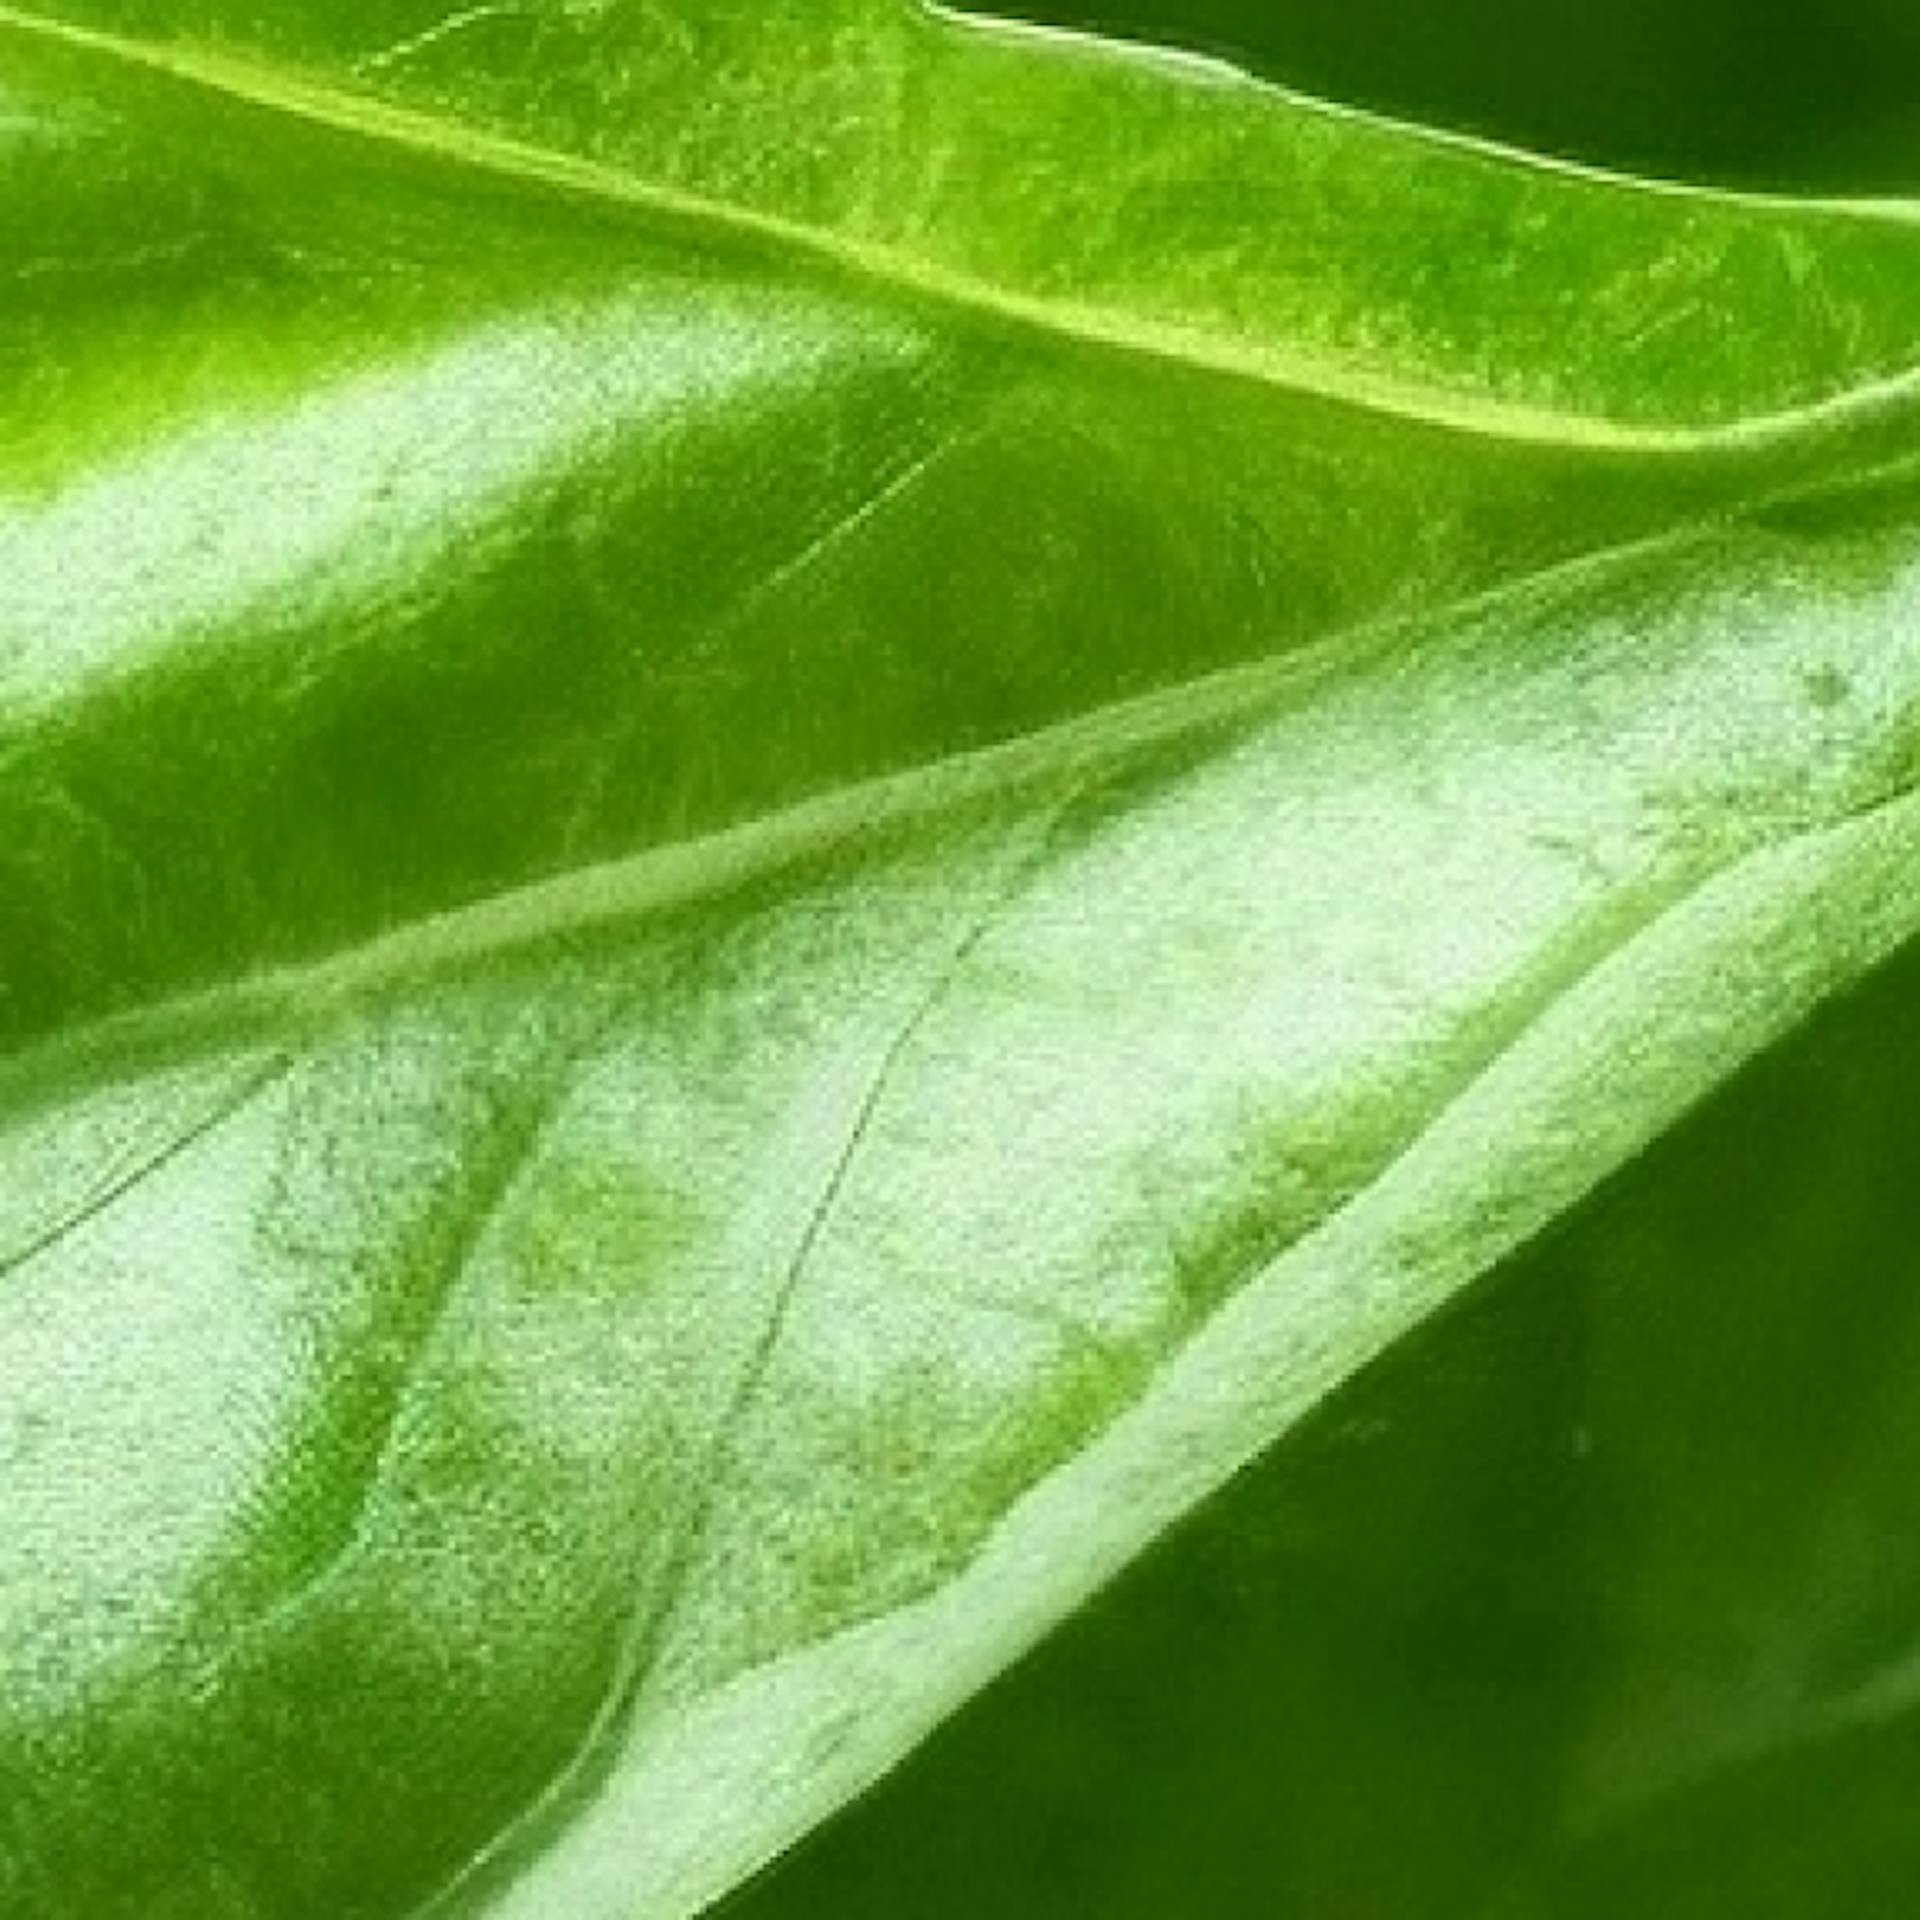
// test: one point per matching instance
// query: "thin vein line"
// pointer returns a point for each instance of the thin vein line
(652, 1624)
(99, 1203)
(454, 24)
(844, 525)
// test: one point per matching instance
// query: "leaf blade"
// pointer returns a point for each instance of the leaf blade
(983, 1068)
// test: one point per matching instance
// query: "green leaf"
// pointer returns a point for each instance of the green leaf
(761, 876)
(1594, 1597)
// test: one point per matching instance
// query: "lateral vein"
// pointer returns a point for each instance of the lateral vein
(1093, 327)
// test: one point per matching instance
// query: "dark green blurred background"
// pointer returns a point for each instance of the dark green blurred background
(1602, 1596)
(1762, 92)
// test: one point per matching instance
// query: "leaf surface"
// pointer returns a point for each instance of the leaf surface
(1592, 1597)
(755, 888)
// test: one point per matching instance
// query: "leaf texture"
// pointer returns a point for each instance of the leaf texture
(791, 809)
